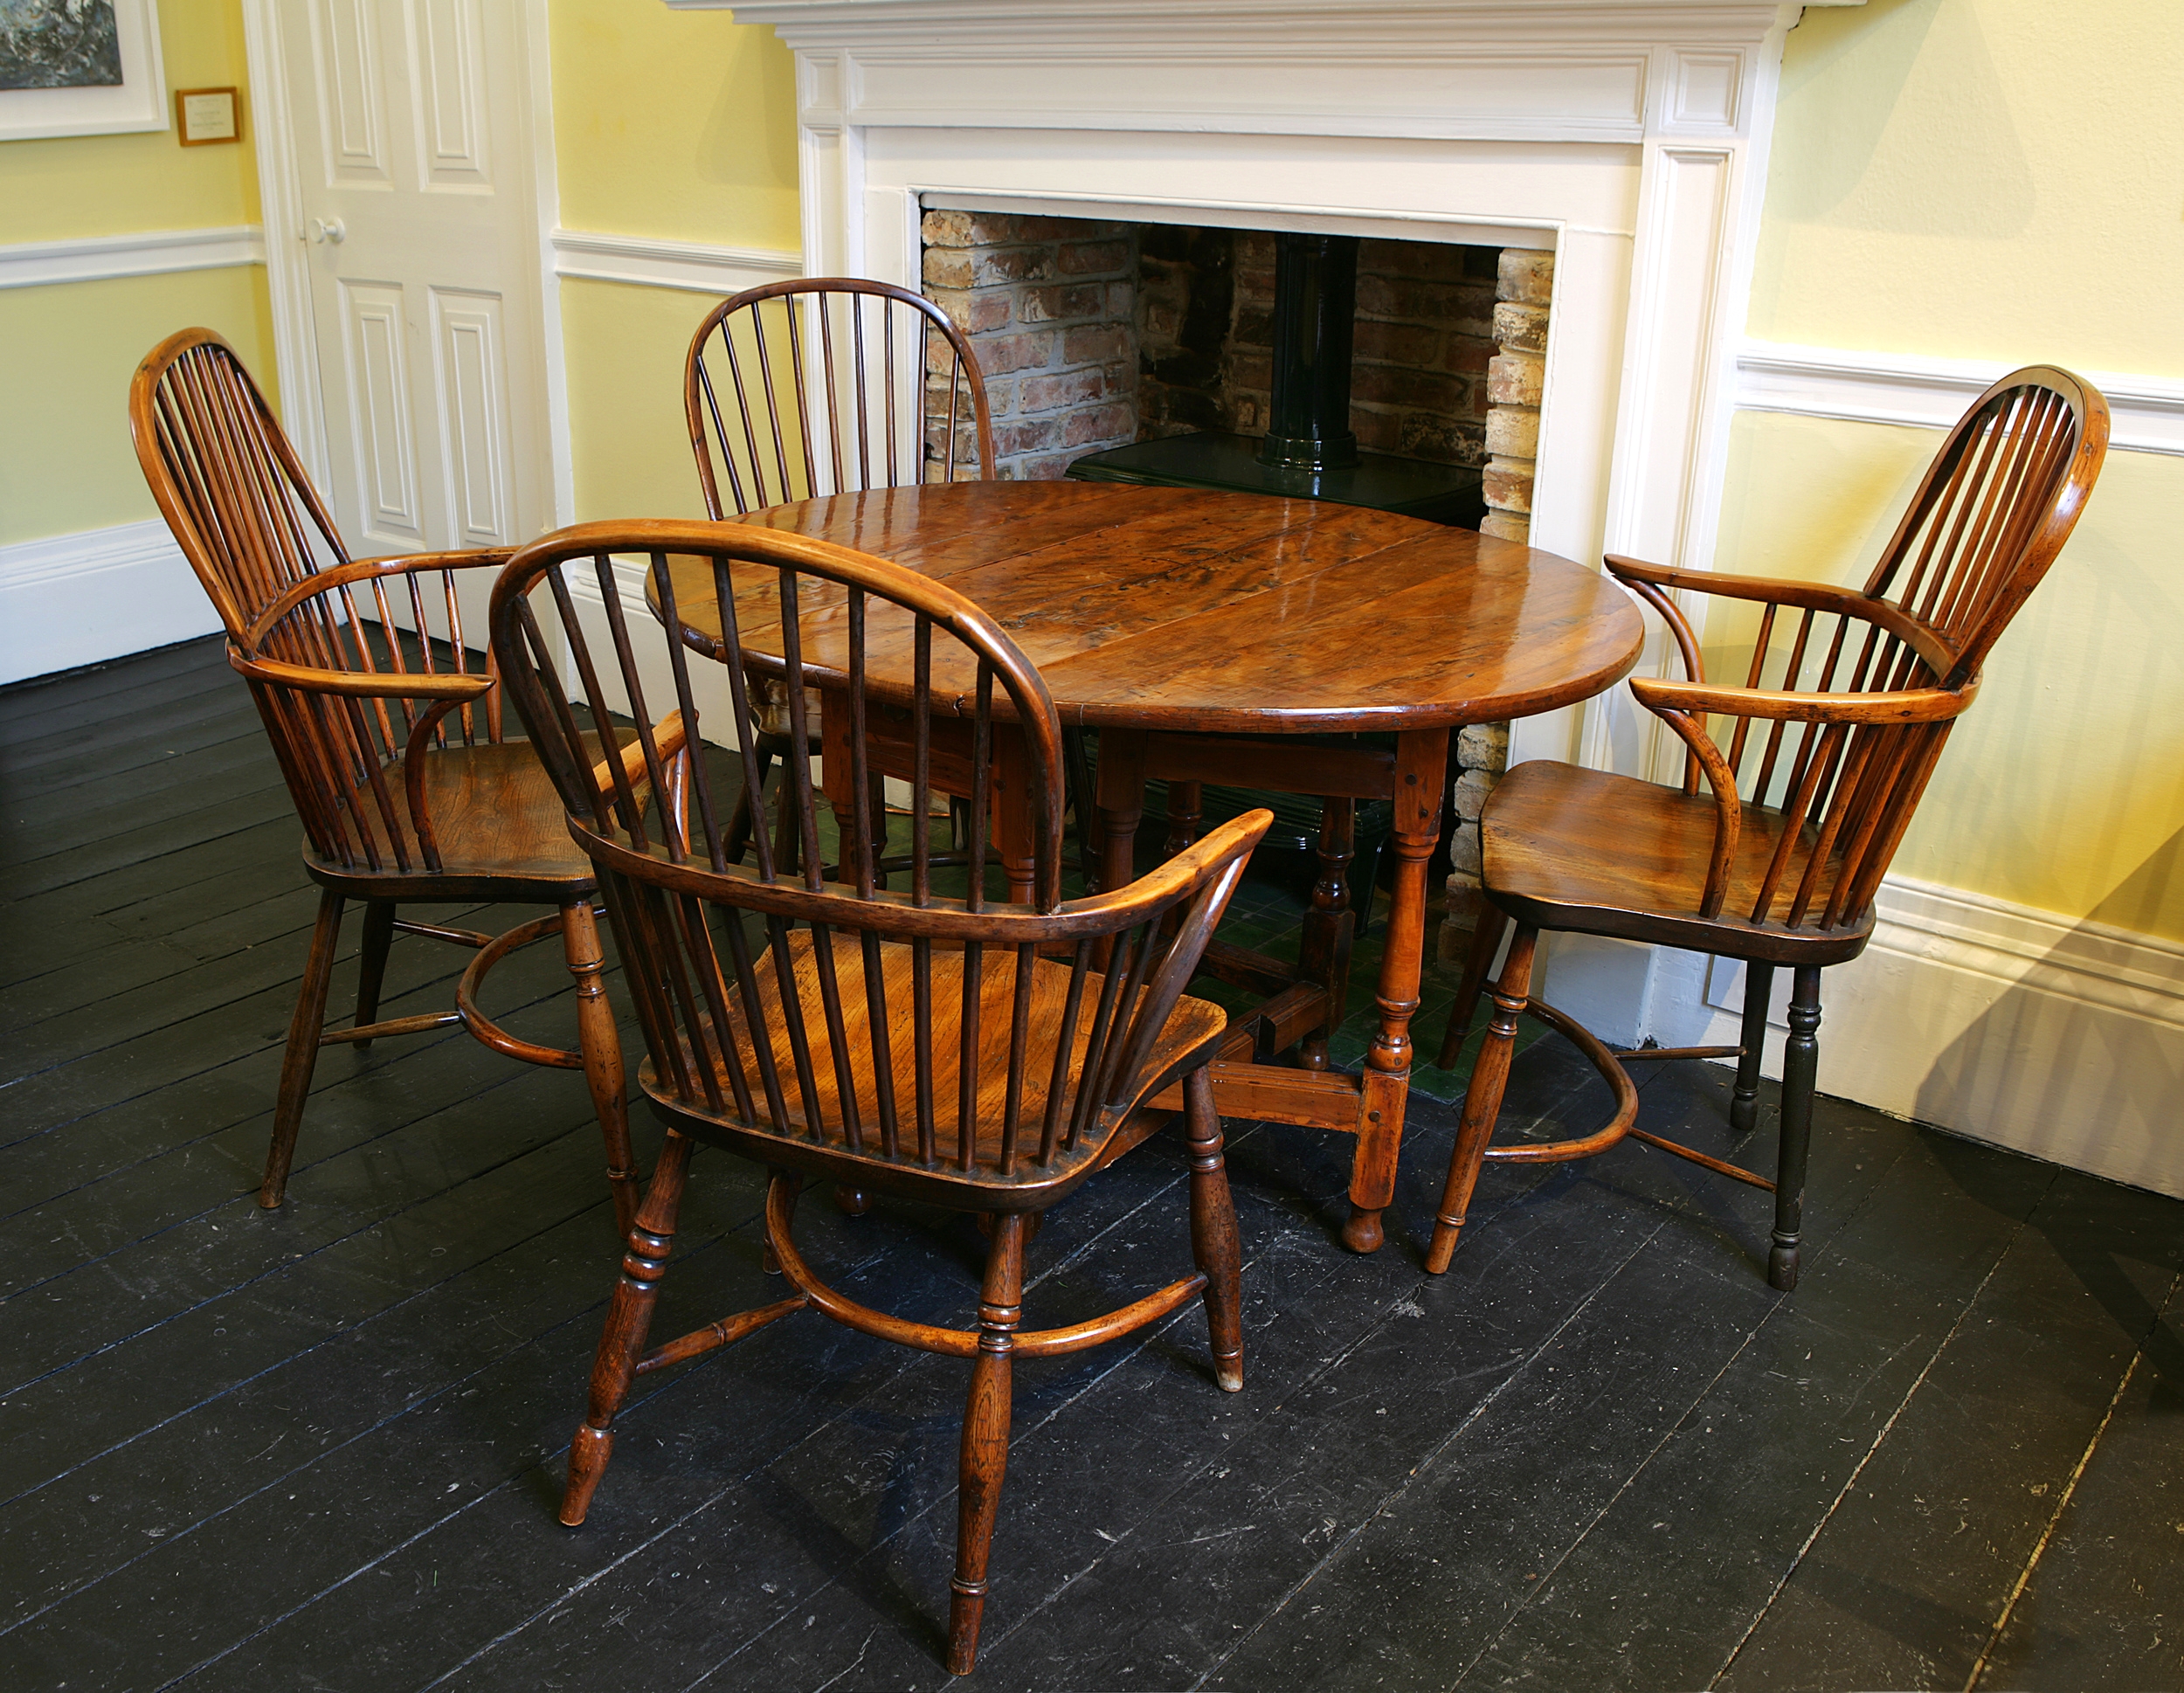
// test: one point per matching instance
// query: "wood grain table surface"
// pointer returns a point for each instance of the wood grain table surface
(1190, 627)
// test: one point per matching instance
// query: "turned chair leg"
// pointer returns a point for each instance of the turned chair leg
(1483, 1099)
(1486, 941)
(985, 1438)
(1744, 1103)
(601, 1044)
(628, 1320)
(1801, 1075)
(372, 970)
(1214, 1243)
(303, 1055)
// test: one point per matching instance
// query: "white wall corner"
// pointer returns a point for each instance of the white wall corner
(83, 598)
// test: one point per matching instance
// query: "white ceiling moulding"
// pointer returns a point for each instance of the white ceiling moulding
(646, 262)
(151, 252)
(2147, 412)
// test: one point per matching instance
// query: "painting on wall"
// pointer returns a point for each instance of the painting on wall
(79, 67)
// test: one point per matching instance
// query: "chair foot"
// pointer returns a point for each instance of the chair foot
(1214, 1246)
(587, 1454)
(851, 1201)
(1744, 1112)
(1363, 1232)
(1782, 1266)
(1444, 1245)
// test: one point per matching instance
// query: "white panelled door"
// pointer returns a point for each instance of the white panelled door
(417, 189)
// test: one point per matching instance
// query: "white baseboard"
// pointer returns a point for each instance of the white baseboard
(83, 598)
(2062, 1039)
(699, 267)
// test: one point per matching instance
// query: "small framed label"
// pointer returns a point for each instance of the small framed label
(206, 115)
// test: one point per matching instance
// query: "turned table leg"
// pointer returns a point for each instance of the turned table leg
(1422, 768)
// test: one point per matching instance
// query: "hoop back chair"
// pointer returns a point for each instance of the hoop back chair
(1798, 784)
(937, 1047)
(391, 748)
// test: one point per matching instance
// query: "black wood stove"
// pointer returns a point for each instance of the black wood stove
(1308, 451)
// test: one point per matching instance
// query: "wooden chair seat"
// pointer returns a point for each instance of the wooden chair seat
(1566, 848)
(1188, 1036)
(498, 823)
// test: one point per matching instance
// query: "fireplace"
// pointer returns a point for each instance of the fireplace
(1623, 140)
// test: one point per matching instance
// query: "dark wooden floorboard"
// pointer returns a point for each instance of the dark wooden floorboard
(322, 1447)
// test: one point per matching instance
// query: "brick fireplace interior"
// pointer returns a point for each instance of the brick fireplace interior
(1094, 335)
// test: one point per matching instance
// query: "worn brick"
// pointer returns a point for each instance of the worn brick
(1470, 793)
(1467, 355)
(945, 229)
(1524, 275)
(1388, 384)
(1087, 257)
(1519, 328)
(1506, 526)
(1483, 746)
(947, 267)
(1443, 439)
(1512, 432)
(1048, 468)
(1408, 301)
(1056, 304)
(1073, 388)
(1028, 435)
(1100, 423)
(1463, 851)
(973, 311)
(1095, 344)
(1516, 378)
(999, 355)
(1395, 343)
(1507, 486)
(990, 266)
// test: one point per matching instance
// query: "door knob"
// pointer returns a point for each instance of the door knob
(329, 229)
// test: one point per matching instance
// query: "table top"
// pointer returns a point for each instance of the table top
(1181, 609)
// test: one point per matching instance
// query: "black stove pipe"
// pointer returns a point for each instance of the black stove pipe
(1315, 310)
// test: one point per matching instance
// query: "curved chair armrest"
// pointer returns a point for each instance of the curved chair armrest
(369, 570)
(1916, 705)
(1650, 583)
(454, 688)
(1212, 883)
(1686, 706)
(671, 745)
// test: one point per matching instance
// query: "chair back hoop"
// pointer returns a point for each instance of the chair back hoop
(345, 690)
(827, 385)
(937, 1028)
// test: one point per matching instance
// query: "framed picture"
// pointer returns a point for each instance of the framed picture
(79, 67)
(205, 115)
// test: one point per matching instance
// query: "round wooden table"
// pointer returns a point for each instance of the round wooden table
(1199, 632)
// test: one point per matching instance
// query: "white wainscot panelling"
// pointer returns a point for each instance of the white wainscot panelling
(647, 263)
(148, 252)
(467, 346)
(346, 41)
(379, 384)
(452, 97)
(2147, 412)
(84, 598)
(2062, 1039)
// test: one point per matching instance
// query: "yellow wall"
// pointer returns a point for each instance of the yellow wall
(681, 126)
(65, 458)
(1999, 180)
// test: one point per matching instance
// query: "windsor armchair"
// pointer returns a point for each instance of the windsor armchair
(1777, 860)
(930, 1045)
(390, 745)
